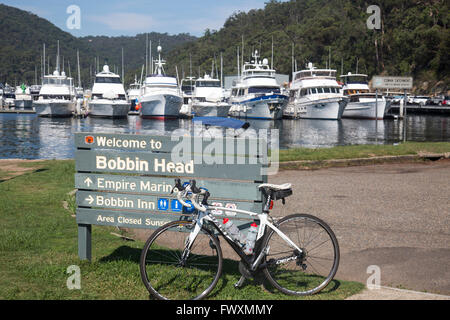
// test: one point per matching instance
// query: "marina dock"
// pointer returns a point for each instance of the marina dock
(30, 111)
(415, 108)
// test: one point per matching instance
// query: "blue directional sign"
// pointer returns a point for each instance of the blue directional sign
(163, 204)
(175, 205)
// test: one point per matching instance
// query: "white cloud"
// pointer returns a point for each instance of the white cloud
(123, 21)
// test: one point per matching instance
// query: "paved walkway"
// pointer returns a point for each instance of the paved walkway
(393, 216)
(387, 293)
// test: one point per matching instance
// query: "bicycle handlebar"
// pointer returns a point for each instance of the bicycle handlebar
(191, 187)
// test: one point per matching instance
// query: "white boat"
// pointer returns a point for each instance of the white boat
(208, 98)
(160, 94)
(315, 94)
(23, 100)
(8, 96)
(256, 95)
(108, 98)
(362, 103)
(187, 89)
(133, 92)
(34, 91)
(56, 97)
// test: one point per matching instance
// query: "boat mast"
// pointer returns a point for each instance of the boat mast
(151, 58)
(146, 54)
(57, 58)
(238, 63)
(123, 79)
(78, 67)
(271, 64)
(221, 70)
(43, 74)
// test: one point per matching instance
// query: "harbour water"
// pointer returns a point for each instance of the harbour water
(26, 136)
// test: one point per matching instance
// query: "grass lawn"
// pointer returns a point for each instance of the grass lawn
(363, 151)
(38, 242)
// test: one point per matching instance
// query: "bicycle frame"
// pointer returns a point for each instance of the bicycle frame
(252, 261)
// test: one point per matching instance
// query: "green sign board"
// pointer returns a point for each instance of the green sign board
(127, 180)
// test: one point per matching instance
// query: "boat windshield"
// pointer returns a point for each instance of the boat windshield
(264, 90)
(201, 83)
(349, 92)
(57, 81)
(315, 73)
(308, 91)
(107, 80)
(187, 88)
(355, 79)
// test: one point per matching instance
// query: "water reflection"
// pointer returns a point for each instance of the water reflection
(31, 137)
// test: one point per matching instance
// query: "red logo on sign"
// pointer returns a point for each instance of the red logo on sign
(89, 139)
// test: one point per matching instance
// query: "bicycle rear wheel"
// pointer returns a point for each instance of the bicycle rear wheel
(307, 272)
(167, 275)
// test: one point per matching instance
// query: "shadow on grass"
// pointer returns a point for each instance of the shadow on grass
(230, 268)
(14, 176)
(123, 253)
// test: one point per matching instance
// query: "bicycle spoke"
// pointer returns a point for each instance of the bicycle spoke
(167, 275)
(308, 273)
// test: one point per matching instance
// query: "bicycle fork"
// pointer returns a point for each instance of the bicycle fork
(190, 239)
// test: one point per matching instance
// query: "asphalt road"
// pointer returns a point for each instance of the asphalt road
(394, 216)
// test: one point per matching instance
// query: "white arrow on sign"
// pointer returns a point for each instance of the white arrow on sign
(88, 181)
(90, 199)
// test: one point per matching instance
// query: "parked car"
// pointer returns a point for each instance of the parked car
(420, 100)
(436, 100)
(446, 101)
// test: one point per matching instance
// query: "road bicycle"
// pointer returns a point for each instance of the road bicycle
(298, 254)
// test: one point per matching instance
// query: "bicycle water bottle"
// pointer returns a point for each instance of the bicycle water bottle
(233, 231)
(251, 238)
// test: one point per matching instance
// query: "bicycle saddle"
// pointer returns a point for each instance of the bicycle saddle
(275, 187)
(276, 191)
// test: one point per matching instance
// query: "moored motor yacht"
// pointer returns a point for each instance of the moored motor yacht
(362, 103)
(133, 93)
(160, 94)
(187, 89)
(256, 94)
(56, 97)
(23, 100)
(108, 96)
(315, 94)
(208, 99)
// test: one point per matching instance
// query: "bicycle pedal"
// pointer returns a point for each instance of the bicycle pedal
(240, 283)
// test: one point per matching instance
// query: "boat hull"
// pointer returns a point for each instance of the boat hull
(206, 109)
(109, 109)
(327, 109)
(23, 104)
(186, 111)
(365, 110)
(162, 106)
(266, 107)
(54, 108)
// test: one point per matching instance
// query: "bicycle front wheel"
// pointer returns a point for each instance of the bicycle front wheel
(306, 272)
(169, 272)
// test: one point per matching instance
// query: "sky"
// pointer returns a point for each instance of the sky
(131, 17)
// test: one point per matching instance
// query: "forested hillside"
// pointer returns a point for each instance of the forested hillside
(23, 35)
(414, 39)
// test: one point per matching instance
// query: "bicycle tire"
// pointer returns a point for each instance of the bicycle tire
(167, 280)
(300, 276)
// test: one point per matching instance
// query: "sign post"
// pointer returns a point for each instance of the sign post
(402, 83)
